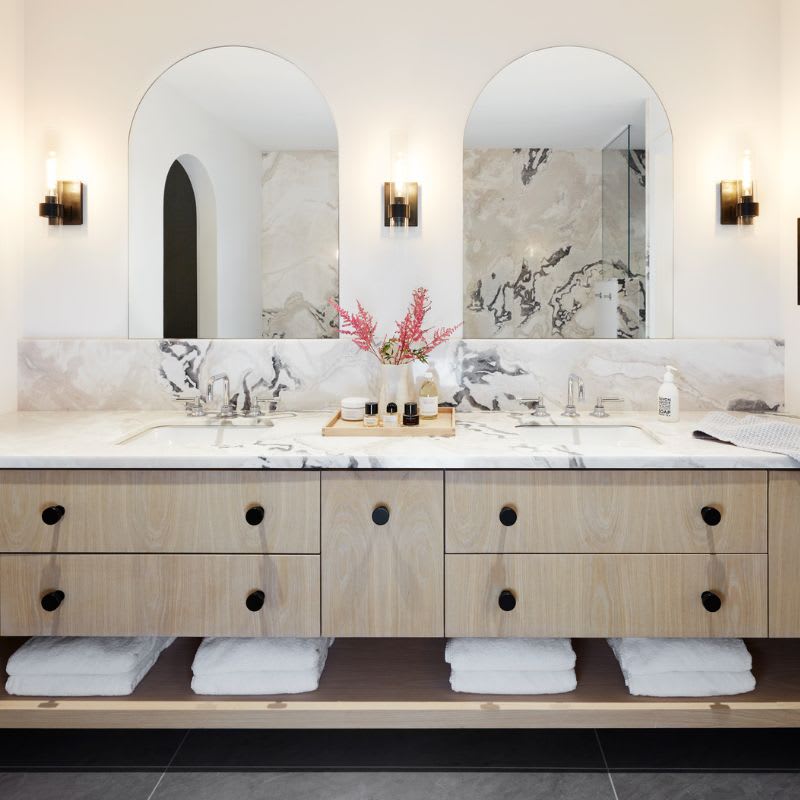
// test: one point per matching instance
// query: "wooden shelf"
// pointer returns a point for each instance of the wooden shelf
(403, 683)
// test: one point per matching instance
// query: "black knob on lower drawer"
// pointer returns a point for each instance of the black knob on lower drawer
(52, 514)
(711, 515)
(254, 515)
(380, 515)
(508, 516)
(711, 601)
(507, 601)
(52, 600)
(255, 600)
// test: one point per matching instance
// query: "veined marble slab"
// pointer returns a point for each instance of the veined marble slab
(484, 440)
(474, 374)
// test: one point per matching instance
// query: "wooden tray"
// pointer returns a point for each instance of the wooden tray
(443, 425)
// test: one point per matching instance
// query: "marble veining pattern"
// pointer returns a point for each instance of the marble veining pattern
(537, 241)
(300, 244)
(484, 440)
(474, 375)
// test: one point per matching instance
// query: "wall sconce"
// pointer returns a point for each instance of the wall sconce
(63, 203)
(400, 196)
(737, 198)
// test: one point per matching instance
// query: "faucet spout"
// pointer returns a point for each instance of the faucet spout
(225, 410)
(573, 381)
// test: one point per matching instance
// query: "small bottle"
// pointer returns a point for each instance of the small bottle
(429, 397)
(410, 414)
(390, 416)
(370, 415)
(669, 398)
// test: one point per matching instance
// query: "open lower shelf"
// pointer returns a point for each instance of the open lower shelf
(403, 683)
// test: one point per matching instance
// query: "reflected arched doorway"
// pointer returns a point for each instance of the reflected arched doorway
(180, 255)
(190, 290)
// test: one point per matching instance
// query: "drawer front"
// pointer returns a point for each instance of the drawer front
(630, 511)
(178, 595)
(784, 554)
(155, 511)
(605, 595)
(382, 554)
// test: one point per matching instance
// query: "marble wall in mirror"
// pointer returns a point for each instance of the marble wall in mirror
(568, 202)
(234, 213)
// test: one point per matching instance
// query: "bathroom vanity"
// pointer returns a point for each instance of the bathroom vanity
(139, 526)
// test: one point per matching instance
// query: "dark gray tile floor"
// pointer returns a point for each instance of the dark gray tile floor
(400, 765)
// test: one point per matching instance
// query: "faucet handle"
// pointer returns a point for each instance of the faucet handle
(194, 404)
(540, 410)
(599, 407)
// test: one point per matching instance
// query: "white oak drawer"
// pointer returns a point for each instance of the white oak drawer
(166, 595)
(382, 554)
(605, 595)
(606, 511)
(159, 511)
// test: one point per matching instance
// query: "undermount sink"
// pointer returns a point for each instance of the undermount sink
(210, 434)
(579, 435)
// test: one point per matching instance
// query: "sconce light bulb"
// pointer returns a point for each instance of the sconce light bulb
(747, 175)
(51, 169)
(399, 177)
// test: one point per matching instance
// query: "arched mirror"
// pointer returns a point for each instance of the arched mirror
(234, 213)
(568, 209)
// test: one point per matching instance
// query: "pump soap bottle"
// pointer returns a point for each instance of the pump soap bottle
(669, 398)
(429, 397)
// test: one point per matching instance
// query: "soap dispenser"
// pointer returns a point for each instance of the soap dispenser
(669, 397)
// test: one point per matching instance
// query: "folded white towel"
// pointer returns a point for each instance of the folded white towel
(690, 684)
(509, 654)
(85, 655)
(70, 684)
(263, 682)
(754, 432)
(647, 656)
(223, 655)
(513, 681)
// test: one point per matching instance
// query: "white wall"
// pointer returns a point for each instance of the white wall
(790, 197)
(11, 207)
(168, 126)
(726, 281)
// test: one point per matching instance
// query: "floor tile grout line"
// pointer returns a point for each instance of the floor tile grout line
(169, 764)
(605, 763)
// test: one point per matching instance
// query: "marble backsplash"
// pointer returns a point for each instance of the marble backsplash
(111, 374)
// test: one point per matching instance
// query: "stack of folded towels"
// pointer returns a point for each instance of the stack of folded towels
(684, 667)
(77, 666)
(511, 666)
(259, 665)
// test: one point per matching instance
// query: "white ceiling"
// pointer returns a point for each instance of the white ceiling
(266, 99)
(561, 97)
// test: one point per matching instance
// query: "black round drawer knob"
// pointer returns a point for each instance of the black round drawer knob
(52, 600)
(508, 516)
(255, 600)
(254, 515)
(711, 515)
(711, 601)
(507, 601)
(53, 514)
(380, 515)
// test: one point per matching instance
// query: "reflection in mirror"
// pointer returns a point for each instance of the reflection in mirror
(233, 202)
(568, 202)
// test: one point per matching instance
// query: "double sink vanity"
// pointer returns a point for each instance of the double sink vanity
(149, 523)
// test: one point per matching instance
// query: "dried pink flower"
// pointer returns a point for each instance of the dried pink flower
(411, 342)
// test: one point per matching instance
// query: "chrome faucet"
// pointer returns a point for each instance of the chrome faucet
(226, 410)
(570, 410)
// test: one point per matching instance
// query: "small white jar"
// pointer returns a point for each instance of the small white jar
(353, 408)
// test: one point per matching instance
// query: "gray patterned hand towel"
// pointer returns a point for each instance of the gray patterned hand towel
(755, 432)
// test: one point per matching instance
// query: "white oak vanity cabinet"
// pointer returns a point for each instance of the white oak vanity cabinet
(414, 553)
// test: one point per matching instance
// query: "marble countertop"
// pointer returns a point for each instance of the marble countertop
(484, 440)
